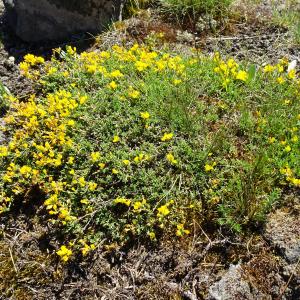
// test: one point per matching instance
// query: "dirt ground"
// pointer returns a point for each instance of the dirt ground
(257, 265)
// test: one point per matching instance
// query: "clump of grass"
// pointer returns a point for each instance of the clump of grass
(191, 10)
(144, 143)
(3, 102)
(289, 17)
(133, 7)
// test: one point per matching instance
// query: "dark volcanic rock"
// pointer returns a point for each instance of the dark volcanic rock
(39, 20)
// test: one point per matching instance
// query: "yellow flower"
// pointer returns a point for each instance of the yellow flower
(139, 204)
(242, 75)
(269, 68)
(70, 50)
(91, 69)
(71, 123)
(177, 81)
(84, 201)
(116, 139)
(92, 186)
(145, 115)
(95, 156)
(280, 80)
(126, 162)
(82, 181)
(272, 140)
(152, 235)
(82, 99)
(163, 210)
(71, 160)
(101, 165)
(181, 231)
(133, 94)
(125, 201)
(287, 148)
(209, 167)
(85, 250)
(116, 73)
(167, 137)
(3, 151)
(292, 74)
(141, 66)
(115, 171)
(295, 139)
(112, 85)
(25, 171)
(170, 157)
(64, 253)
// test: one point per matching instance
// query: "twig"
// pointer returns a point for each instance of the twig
(226, 38)
(12, 259)
(288, 282)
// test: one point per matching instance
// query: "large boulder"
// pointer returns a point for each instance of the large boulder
(39, 20)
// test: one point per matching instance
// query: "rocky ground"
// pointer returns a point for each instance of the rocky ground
(265, 265)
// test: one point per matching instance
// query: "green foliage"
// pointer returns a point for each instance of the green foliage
(142, 142)
(289, 17)
(3, 102)
(192, 8)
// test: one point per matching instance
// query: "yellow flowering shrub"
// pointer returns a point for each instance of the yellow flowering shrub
(138, 143)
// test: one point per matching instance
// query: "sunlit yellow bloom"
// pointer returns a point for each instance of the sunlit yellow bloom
(242, 75)
(280, 80)
(113, 85)
(133, 94)
(116, 74)
(126, 162)
(82, 181)
(269, 68)
(209, 168)
(152, 235)
(95, 156)
(181, 231)
(292, 74)
(64, 253)
(167, 137)
(125, 201)
(295, 139)
(163, 210)
(101, 165)
(84, 201)
(272, 140)
(92, 186)
(170, 157)
(116, 139)
(287, 148)
(115, 171)
(177, 81)
(145, 115)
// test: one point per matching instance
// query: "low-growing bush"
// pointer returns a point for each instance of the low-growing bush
(141, 143)
(195, 8)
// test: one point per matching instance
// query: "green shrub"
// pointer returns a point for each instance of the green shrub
(193, 8)
(143, 143)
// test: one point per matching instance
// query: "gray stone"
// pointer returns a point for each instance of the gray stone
(234, 286)
(39, 20)
(283, 232)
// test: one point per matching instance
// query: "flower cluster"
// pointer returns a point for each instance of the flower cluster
(229, 70)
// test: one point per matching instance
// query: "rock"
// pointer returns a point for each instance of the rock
(283, 232)
(10, 62)
(40, 20)
(233, 286)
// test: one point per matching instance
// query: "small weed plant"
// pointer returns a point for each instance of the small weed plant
(144, 143)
